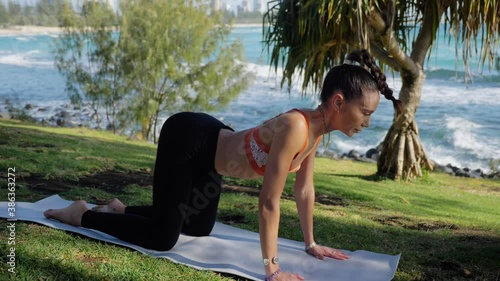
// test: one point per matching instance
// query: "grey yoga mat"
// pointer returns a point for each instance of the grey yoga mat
(231, 250)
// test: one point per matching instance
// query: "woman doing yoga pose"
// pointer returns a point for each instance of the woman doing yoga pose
(195, 150)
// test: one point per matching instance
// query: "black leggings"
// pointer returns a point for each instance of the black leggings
(186, 188)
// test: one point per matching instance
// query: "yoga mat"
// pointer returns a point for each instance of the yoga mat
(231, 250)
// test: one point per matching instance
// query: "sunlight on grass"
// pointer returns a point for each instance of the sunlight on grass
(441, 225)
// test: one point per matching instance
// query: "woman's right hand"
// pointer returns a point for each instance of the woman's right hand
(287, 276)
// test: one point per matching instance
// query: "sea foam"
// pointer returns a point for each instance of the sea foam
(25, 60)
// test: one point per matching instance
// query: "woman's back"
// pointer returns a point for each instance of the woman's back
(236, 151)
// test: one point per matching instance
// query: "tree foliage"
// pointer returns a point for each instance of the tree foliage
(168, 56)
(178, 59)
(312, 36)
(43, 13)
(309, 37)
(88, 56)
(4, 15)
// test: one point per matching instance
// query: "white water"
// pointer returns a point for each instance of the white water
(458, 123)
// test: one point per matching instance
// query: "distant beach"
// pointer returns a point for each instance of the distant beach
(36, 30)
(29, 29)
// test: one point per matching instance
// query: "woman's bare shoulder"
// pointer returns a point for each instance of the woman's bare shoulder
(289, 125)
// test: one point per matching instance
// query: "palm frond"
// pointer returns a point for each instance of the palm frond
(308, 37)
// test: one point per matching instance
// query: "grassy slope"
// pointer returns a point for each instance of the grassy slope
(444, 227)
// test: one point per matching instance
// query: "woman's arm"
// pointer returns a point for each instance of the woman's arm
(305, 196)
(284, 146)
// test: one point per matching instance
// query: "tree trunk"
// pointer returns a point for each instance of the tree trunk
(403, 156)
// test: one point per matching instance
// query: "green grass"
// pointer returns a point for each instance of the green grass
(445, 227)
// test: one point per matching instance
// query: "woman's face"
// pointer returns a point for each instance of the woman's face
(355, 115)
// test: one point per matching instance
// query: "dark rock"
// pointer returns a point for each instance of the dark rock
(448, 170)
(453, 168)
(60, 122)
(354, 154)
(330, 154)
(480, 172)
(495, 176)
(462, 173)
(474, 175)
(28, 106)
(444, 169)
(373, 153)
(477, 173)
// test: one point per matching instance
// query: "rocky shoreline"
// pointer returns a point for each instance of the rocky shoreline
(71, 116)
(372, 155)
(63, 115)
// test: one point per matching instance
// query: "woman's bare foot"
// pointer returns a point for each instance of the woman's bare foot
(70, 215)
(114, 206)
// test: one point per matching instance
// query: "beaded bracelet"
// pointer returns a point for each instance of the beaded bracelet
(271, 277)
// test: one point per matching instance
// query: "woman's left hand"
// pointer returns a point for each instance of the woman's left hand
(321, 252)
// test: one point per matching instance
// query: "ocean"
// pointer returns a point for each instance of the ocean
(459, 123)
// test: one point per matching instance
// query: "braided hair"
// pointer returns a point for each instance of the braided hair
(351, 80)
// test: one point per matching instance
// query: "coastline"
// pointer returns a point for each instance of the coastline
(19, 30)
(464, 133)
(66, 115)
(29, 30)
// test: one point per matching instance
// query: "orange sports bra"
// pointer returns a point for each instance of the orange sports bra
(257, 151)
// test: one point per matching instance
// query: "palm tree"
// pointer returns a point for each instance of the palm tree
(310, 36)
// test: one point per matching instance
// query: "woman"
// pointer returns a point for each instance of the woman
(195, 150)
